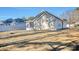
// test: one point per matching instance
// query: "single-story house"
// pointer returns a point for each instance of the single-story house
(45, 21)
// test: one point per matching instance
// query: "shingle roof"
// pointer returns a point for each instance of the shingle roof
(44, 12)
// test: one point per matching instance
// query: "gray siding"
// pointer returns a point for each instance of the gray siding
(10, 27)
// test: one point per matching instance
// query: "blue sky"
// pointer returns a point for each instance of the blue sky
(19, 12)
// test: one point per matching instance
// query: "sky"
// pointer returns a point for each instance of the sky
(19, 12)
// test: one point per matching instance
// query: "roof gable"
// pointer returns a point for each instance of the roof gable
(43, 13)
(47, 13)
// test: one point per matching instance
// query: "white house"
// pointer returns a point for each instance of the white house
(45, 21)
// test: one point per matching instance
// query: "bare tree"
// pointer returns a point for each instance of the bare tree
(65, 17)
(72, 16)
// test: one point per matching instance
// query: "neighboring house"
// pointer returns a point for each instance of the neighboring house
(1, 26)
(73, 25)
(12, 26)
(45, 21)
(18, 25)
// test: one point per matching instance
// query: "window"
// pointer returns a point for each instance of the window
(27, 25)
(31, 24)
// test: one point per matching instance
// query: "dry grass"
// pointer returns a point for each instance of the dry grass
(39, 40)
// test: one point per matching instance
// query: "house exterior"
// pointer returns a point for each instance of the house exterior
(12, 26)
(19, 25)
(45, 21)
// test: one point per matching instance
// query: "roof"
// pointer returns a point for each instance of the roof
(30, 19)
(43, 12)
(46, 12)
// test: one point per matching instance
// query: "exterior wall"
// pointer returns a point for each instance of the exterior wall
(2, 27)
(58, 24)
(37, 25)
(51, 23)
(12, 26)
(6, 27)
(28, 26)
(45, 22)
(41, 23)
(20, 26)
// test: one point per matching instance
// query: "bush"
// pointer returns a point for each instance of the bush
(77, 26)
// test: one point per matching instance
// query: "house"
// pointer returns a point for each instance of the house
(18, 25)
(45, 21)
(12, 26)
(1, 26)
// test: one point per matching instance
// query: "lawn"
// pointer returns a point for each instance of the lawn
(21, 40)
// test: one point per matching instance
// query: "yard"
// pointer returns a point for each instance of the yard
(21, 40)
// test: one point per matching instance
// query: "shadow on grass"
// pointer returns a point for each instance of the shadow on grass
(24, 42)
(26, 34)
(59, 44)
(27, 40)
(51, 44)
